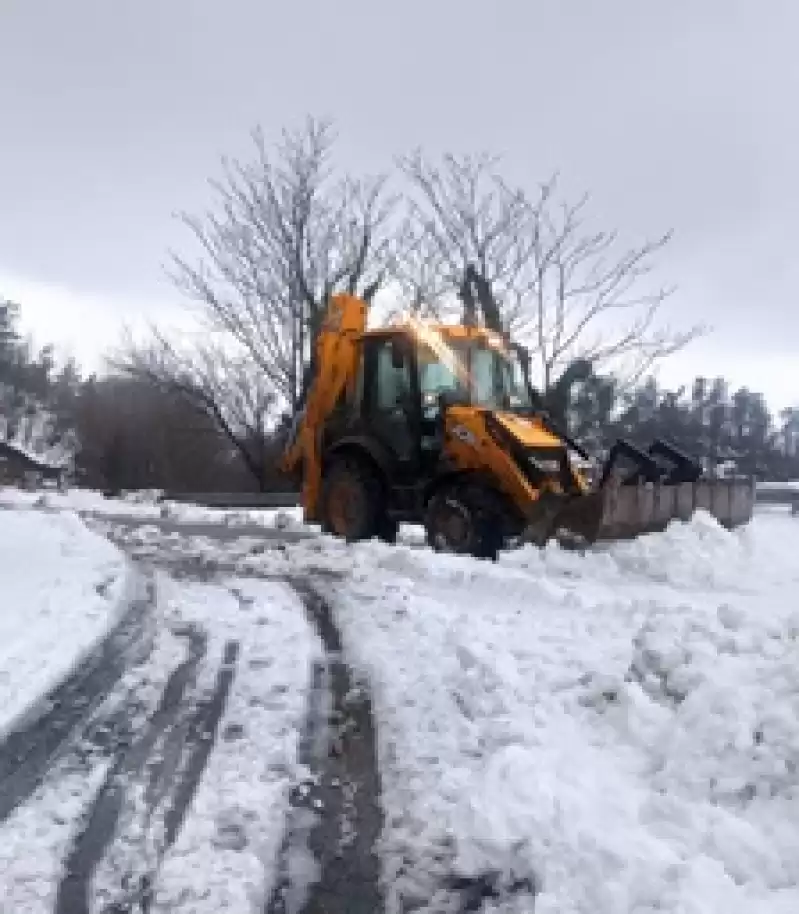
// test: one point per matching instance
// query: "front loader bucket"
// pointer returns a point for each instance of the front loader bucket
(623, 512)
(629, 511)
(576, 517)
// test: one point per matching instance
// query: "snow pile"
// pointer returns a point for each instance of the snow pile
(713, 706)
(147, 504)
(618, 731)
(77, 500)
(61, 588)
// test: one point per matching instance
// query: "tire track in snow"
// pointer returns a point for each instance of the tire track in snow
(328, 863)
(173, 780)
(202, 729)
(90, 844)
(30, 750)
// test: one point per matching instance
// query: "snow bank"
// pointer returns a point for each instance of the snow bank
(77, 500)
(61, 586)
(146, 504)
(620, 729)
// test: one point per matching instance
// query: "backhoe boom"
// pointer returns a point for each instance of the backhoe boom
(336, 370)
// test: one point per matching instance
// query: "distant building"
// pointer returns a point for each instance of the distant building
(20, 468)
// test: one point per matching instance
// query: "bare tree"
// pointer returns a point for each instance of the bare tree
(134, 435)
(284, 236)
(462, 215)
(218, 382)
(563, 290)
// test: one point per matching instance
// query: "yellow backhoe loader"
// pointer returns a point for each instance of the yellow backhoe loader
(439, 425)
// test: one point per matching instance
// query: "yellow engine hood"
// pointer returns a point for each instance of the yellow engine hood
(530, 432)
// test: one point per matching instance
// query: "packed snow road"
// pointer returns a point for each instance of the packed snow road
(608, 732)
(612, 732)
(158, 773)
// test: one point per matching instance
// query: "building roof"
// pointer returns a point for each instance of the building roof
(27, 459)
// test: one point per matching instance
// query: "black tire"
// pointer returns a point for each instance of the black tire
(467, 519)
(353, 499)
(389, 529)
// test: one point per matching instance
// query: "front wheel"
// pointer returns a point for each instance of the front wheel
(465, 520)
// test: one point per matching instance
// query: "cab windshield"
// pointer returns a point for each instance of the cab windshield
(473, 372)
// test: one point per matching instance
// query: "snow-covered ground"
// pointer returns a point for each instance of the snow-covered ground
(61, 583)
(36, 838)
(225, 854)
(61, 587)
(143, 505)
(619, 729)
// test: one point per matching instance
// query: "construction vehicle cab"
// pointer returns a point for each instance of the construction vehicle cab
(439, 425)
(389, 448)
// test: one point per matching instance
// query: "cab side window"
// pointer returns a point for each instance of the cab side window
(393, 382)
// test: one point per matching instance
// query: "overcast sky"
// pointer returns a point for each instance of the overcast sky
(681, 114)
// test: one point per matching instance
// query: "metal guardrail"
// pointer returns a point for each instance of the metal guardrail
(235, 499)
(778, 495)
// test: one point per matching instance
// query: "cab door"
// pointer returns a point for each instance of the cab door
(391, 399)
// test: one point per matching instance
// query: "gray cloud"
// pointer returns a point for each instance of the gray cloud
(114, 114)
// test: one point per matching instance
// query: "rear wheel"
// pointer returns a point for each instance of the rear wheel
(466, 520)
(353, 500)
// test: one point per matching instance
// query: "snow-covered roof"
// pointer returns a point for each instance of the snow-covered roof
(33, 460)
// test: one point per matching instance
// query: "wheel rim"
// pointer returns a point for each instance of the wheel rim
(452, 527)
(345, 504)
